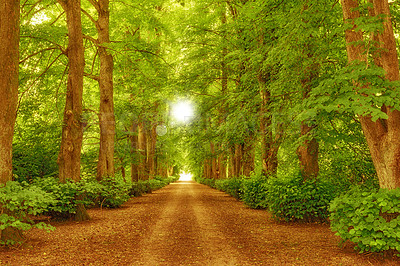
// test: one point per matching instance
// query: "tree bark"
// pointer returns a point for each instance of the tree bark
(105, 166)
(142, 148)
(134, 149)
(308, 153)
(308, 150)
(9, 70)
(269, 145)
(247, 163)
(383, 136)
(151, 150)
(69, 157)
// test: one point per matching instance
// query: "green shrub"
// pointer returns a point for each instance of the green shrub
(114, 193)
(232, 186)
(370, 219)
(66, 195)
(147, 186)
(254, 192)
(296, 200)
(136, 190)
(92, 191)
(206, 181)
(17, 201)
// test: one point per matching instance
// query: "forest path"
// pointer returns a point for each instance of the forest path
(184, 223)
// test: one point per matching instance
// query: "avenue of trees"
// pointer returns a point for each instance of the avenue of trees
(282, 89)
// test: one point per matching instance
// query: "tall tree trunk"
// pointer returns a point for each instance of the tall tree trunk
(213, 160)
(142, 143)
(238, 157)
(105, 165)
(308, 150)
(69, 157)
(151, 150)
(383, 136)
(9, 69)
(247, 163)
(134, 149)
(308, 153)
(269, 145)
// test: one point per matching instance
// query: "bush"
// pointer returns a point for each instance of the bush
(65, 194)
(114, 193)
(370, 219)
(17, 201)
(206, 181)
(232, 186)
(296, 200)
(147, 186)
(254, 192)
(136, 190)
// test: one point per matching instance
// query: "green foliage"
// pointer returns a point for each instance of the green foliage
(370, 219)
(296, 200)
(206, 181)
(66, 195)
(255, 191)
(232, 186)
(17, 201)
(114, 192)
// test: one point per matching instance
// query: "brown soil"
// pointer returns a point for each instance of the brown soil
(185, 223)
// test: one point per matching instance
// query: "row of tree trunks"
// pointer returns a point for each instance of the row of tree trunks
(9, 69)
(143, 142)
(383, 136)
(241, 159)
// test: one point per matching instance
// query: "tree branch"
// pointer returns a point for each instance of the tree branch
(90, 17)
(95, 4)
(41, 51)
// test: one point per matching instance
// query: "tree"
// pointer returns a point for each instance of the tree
(382, 135)
(9, 68)
(105, 165)
(69, 158)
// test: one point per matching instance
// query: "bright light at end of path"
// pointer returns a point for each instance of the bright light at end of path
(182, 111)
(185, 176)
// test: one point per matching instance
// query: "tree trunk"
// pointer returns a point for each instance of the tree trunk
(221, 166)
(9, 69)
(308, 153)
(69, 157)
(134, 149)
(383, 136)
(213, 160)
(142, 143)
(269, 145)
(105, 166)
(247, 163)
(151, 150)
(308, 150)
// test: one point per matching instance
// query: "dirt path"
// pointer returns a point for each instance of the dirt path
(184, 224)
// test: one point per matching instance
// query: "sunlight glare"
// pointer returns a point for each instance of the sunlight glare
(39, 18)
(182, 111)
(185, 176)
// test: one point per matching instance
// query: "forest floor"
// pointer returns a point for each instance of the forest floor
(185, 223)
